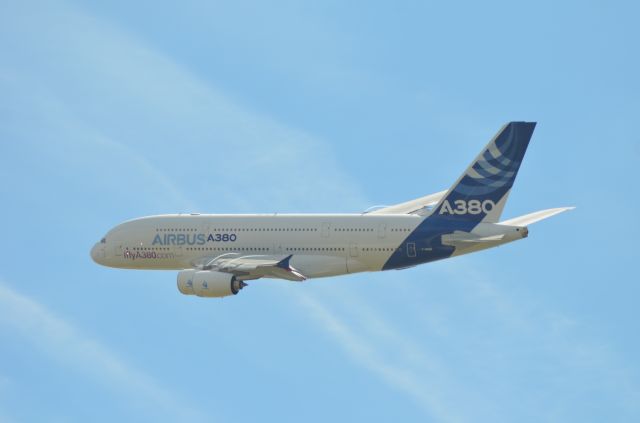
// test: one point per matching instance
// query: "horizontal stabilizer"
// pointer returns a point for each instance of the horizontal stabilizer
(534, 217)
(459, 237)
(484, 238)
(413, 206)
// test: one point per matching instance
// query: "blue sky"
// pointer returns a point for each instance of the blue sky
(113, 110)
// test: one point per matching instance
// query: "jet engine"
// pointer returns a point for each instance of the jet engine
(208, 283)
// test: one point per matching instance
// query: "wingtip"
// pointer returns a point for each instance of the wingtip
(284, 263)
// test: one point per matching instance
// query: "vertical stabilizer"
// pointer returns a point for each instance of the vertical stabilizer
(479, 195)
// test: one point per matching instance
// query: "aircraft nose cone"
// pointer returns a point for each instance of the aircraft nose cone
(97, 253)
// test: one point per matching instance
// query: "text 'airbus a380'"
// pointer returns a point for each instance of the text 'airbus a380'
(216, 254)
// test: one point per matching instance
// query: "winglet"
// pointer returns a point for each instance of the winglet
(286, 266)
(284, 263)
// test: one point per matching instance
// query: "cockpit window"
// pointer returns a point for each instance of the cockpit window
(103, 241)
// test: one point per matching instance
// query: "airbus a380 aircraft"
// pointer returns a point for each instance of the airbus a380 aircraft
(216, 254)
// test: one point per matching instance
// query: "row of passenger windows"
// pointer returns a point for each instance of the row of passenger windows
(285, 249)
(227, 249)
(368, 230)
(381, 249)
(266, 230)
(314, 249)
(259, 249)
(240, 230)
(263, 249)
(276, 230)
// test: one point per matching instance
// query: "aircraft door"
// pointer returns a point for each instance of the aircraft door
(355, 263)
(411, 249)
(382, 230)
(326, 229)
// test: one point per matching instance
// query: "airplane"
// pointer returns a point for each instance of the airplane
(217, 253)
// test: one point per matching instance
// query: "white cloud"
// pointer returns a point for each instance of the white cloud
(6, 419)
(410, 369)
(66, 344)
(580, 360)
(164, 121)
(478, 353)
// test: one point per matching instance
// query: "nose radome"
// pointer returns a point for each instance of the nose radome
(97, 253)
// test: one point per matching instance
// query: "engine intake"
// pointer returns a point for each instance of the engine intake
(208, 283)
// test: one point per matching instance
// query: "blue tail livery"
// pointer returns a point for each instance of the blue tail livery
(465, 218)
(480, 193)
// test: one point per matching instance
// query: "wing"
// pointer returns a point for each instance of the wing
(252, 266)
(418, 206)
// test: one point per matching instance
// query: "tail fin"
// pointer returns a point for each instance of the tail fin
(479, 195)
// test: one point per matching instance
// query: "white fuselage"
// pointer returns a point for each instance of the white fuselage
(320, 244)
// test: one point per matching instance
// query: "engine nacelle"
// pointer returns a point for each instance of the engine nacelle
(208, 283)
